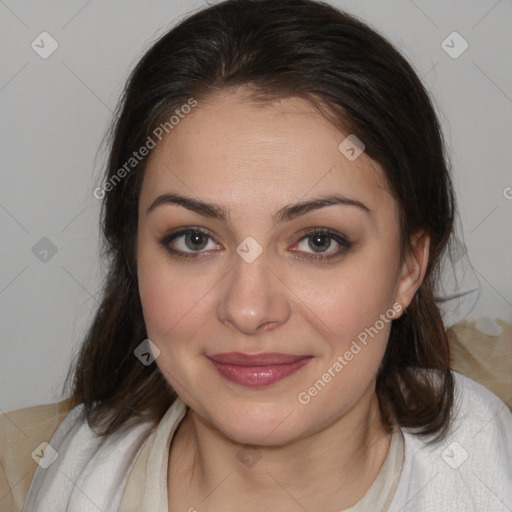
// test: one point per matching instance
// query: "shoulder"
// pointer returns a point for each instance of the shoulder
(481, 350)
(475, 404)
(22, 432)
(470, 468)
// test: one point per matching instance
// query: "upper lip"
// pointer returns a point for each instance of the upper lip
(267, 358)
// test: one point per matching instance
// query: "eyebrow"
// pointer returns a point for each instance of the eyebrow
(287, 213)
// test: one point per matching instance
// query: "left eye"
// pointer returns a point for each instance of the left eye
(320, 241)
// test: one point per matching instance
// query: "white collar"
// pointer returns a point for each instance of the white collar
(90, 472)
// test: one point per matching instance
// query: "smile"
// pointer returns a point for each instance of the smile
(257, 370)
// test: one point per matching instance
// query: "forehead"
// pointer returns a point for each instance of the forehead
(236, 152)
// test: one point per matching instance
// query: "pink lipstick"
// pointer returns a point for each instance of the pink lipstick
(257, 370)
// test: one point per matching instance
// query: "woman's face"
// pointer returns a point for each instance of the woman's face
(259, 277)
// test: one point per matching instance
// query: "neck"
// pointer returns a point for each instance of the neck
(344, 457)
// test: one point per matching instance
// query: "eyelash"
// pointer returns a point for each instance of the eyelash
(346, 245)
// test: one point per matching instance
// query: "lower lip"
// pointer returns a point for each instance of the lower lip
(258, 376)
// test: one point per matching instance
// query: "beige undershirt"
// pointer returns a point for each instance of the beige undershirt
(146, 488)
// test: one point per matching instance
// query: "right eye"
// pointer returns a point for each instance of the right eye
(186, 243)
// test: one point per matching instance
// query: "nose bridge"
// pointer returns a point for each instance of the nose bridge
(253, 297)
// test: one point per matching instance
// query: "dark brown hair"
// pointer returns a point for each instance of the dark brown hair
(361, 83)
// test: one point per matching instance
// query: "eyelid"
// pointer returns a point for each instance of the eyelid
(173, 235)
(342, 240)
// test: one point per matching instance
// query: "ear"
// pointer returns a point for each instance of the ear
(413, 269)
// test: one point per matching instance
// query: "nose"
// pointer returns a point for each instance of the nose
(253, 297)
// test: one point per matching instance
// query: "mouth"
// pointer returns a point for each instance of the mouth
(257, 370)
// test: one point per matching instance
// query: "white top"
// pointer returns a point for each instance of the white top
(470, 471)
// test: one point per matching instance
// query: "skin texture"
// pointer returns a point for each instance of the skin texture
(254, 159)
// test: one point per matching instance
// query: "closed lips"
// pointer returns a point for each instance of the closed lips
(264, 359)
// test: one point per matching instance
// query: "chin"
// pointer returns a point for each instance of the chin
(256, 423)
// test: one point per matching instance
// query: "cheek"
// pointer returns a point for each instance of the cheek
(173, 299)
(356, 332)
(163, 294)
(346, 302)
(353, 315)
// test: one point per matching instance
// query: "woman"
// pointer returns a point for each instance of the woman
(276, 206)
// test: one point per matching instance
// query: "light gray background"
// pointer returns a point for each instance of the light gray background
(54, 113)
